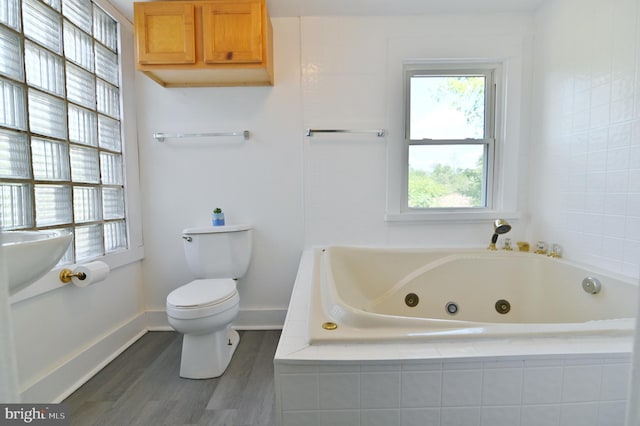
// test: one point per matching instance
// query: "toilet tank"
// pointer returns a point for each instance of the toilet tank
(218, 251)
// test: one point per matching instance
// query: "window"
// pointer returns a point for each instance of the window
(450, 137)
(61, 150)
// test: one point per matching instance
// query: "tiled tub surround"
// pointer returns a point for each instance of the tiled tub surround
(568, 381)
(542, 391)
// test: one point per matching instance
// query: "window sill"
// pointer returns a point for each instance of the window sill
(51, 280)
(449, 216)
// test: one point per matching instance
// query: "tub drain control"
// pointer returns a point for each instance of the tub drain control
(329, 326)
(591, 285)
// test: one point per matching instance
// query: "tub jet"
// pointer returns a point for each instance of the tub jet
(503, 306)
(452, 308)
(411, 300)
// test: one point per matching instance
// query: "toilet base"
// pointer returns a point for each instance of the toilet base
(208, 356)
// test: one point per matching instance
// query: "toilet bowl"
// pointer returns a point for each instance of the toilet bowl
(204, 308)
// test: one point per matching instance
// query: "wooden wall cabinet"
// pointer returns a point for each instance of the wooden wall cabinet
(204, 43)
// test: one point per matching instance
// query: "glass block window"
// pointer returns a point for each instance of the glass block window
(61, 151)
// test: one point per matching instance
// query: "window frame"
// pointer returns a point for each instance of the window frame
(513, 85)
(491, 72)
(129, 150)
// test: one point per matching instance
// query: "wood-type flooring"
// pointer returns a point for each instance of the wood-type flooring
(142, 387)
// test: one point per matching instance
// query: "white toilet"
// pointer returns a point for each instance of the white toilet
(204, 308)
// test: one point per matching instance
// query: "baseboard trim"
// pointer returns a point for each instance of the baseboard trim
(260, 319)
(248, 319)
(60, 382)
(157, 321)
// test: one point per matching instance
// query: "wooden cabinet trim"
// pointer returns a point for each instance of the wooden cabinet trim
(232, 33)
(165, 32)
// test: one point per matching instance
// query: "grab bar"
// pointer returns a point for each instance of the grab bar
(378, 132)
(160, 137)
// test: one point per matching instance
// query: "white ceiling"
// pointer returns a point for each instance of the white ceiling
(288, 8)
(278, 8)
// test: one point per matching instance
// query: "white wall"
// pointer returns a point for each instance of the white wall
(352, 78)
(335, 72)
(258, 181)
(63, 335)
(8, 367)
(329, 73)
(586, 190)
(586, 141)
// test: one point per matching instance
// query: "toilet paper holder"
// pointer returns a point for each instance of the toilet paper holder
(86, 274)
(67, 274)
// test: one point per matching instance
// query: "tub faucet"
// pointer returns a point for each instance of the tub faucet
(500, 226)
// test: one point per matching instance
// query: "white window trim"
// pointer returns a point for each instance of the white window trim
(504, 185)
(130, 143)
(133, 212)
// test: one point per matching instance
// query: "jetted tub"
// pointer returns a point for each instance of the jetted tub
(560, 356)
(381, 294)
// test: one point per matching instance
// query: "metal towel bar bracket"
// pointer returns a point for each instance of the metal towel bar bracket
(160, 137)
(378, 132)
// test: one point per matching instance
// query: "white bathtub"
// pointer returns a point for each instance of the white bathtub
(363, 291)
(560, 357)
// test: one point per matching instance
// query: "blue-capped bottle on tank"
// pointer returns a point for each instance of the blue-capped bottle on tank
(217, 217)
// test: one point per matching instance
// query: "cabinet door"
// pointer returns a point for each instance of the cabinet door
(165, 32)
(232, 32)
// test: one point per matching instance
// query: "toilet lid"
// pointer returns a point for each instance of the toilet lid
(202, 293)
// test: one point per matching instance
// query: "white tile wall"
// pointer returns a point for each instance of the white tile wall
(584, 194)
(421, 389)
(585, 414)
(611, 413)
(585, 142)
(180, 178)
(340, 418)
(340, 391)
(380, 390)
(346, 83)
(421, 417)
(380, 417)
(514, 391)
(500, 416)
(460, 416)
(301, 418)
(300, 392)
(502, 386)
(461, 387)
(542, 385)
(615, 380)
(581, 383)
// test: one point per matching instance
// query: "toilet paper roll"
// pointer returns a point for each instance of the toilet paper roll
(94, 272)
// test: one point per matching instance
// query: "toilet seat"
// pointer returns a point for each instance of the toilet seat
(200, 293)
(201, 298)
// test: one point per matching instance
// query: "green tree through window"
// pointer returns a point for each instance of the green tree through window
(445, 186)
